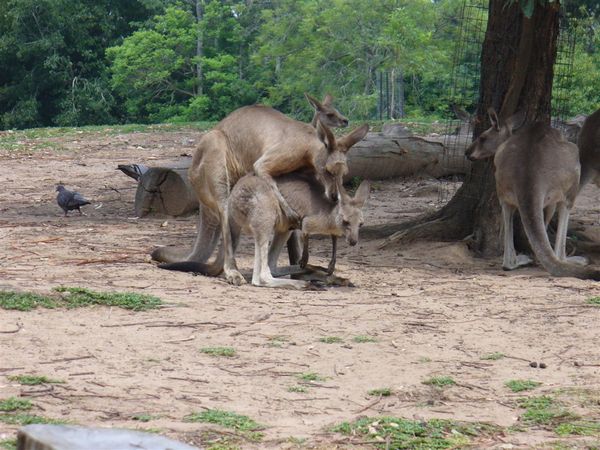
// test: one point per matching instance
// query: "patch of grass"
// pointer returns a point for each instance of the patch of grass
(493, 356)
(8, 444)
(237, 422)
(75, 297)
(33, 380)
(27, 419)
(278, 341)
(440, 382)
(413, 434)
(331, 340)
(578, 428)
(227, 352)
(593, 301)
(298, 389)
(143, 417)
(544, 410)
(25, 301)
(15, 404)
(381, 392)
(363, 339)
(310, 376)
(522, 385)
(424, 359)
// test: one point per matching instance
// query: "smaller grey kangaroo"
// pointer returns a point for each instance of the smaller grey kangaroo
(253, 207)
(537, 173)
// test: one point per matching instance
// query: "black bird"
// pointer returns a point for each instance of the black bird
(134, 171)
(70, 200)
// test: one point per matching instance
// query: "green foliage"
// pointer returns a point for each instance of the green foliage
(522, 385)
(493, 356)
(310, 376)
(243, 424)
(543, 410)
(75, 62)
(331, 340)
(226, 352)
(8, 444)
(415, 434)
(75, 297)
(593, 301)
(440, 382)
(33, 380)
(362, 339)
(381, 392)
(15, 404)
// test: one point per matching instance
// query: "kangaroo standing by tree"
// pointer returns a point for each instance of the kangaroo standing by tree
(260, 139)
(537, 172)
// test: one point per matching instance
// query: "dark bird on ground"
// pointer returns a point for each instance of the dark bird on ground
(134, 171)
(70, 200)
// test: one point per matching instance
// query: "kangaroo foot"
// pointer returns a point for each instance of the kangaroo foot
(234, 277)
(579, 260)
(519, 261)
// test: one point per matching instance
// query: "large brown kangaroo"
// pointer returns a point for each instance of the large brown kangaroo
(253, 207)
(260, 139)
(589, 148)
(537, 172)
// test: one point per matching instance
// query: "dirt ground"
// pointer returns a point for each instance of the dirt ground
(431, 308)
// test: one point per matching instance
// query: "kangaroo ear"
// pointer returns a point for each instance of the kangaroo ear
(326, 136)
(517, 120)
(313, 102)
(328, 100)
(350, 139)
(362, 193)
(494, 118)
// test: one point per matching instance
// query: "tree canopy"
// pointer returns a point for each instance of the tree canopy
(81, 62)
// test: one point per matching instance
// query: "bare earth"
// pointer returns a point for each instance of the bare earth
(432, 309)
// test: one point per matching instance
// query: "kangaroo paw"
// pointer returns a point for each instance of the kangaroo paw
(519, 261)
(235, 278)
(579, 260)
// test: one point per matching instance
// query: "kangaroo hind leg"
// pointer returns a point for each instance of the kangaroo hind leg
(560, 244)
(511, 259)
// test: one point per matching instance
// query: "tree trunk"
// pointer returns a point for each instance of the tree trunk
(517, 62)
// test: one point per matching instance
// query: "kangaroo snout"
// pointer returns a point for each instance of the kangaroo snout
(352, 241)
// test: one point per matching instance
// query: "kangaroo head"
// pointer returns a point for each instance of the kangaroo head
(326, 113)
(333, 165)
(490, 140)
(349, 217)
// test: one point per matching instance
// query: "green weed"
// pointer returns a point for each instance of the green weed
(226, 352)
(310, 376)
(522, 385)
(15, 404)
(231, 420)
(75, 297)
(543, 410)
(440, 382)
(593, 301)
(493, 356)
(331, 340)
(33, 380)
(298, 389)
(381, 392)
(413, 434)
(363, 339)
(8, 444)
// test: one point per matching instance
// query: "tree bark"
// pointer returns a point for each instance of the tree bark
(517, 62)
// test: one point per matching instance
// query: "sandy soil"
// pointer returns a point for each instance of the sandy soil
(432, 309)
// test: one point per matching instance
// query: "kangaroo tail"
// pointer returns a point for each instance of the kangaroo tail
(211, 270)
(532, 216)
